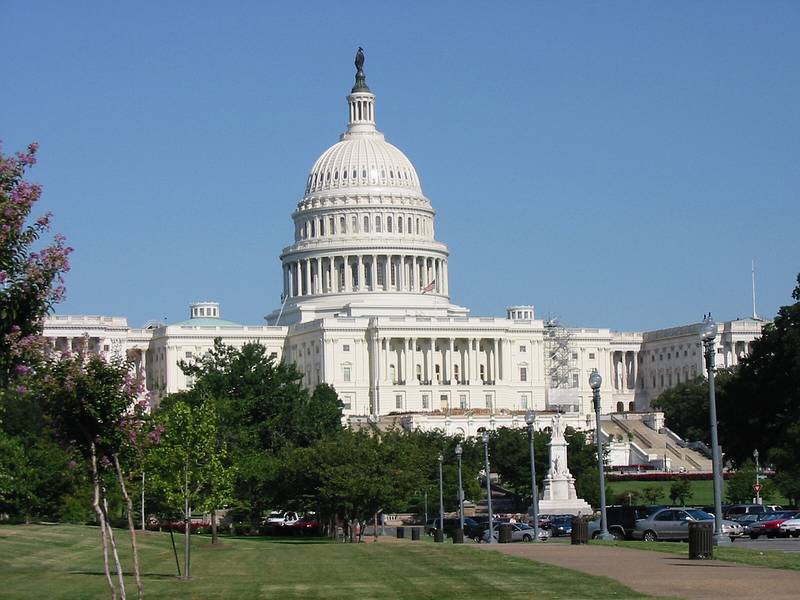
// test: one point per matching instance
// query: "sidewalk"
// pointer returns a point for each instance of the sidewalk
(661, 574)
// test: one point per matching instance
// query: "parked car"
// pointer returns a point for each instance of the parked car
(622, 520)
(308, 525)
(791, 527)
(770, 526)
(673, 524)
(520, 532)
(747, 520)
(736, 510)
(472, 528)
(279, 519)
(560, 525)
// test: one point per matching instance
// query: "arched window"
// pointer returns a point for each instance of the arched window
(313, 229)
(620, 407)
(389, 224)
(344, 174)
(378, 227)
(336, 175)
(409, 224)
(399, 224)
(366, 224)
(631, 406)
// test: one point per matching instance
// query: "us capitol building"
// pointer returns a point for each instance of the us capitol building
(366, 308)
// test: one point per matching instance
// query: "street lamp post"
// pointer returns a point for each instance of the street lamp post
(708, 333)
(459, 450)
(441, 497)
(756, 487)
(488, 486)
(595, 381)
(530, 417)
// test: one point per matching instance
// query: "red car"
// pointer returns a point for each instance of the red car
(770, 524)
(308, 525)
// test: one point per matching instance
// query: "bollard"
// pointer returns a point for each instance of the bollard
(401, 533)
(415, 534)
(458, 536)
(580, 531)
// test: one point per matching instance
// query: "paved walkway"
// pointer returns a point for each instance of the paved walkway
(662, 574)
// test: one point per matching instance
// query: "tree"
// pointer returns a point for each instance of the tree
(681, 489)
(264, 410)
(188, 464)
(652, 494)
(511, 458)
(88, 402)
(739, 487)
(30, 279)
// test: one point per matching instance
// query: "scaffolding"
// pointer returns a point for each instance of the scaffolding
(559, 365)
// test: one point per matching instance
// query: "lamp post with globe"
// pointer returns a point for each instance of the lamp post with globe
(595, 381)
(488, 486)
(459, 450)
(757, 486)
(530, 418)
(441, 497)
(708, 332)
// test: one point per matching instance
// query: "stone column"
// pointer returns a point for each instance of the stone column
(414, 274)
(309, 291)
(374, 274)
(401, 274)
(432, 349)
(359, 274)
(318, 287)
(348, 274)
(450, 360)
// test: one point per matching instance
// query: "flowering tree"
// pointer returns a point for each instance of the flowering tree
(92, 405)
(30, 279)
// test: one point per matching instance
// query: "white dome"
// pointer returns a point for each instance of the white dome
(362, 161)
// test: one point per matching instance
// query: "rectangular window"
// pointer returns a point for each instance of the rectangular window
(462, 402)
(347, 402)
(426, 404)
(523, 403)
(106, 348)
(398, 403)
(576, 383)
(346, 373)
(575, 357)
(274, 356)
(346, 348)
(591, 357)
(525, 349)
(489, 403)
(523, 376)
(189, 355)
(354, 224)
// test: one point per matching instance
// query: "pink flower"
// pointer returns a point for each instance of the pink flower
(21, 389)
(71, 465)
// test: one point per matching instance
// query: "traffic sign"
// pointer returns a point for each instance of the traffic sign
(757, 488)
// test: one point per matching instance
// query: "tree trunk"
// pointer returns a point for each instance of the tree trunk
(214, 537)
(102, 522)
(129, 504)
(143, 515)
(109, 530)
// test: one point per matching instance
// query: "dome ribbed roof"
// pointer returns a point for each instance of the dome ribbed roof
(362, 161)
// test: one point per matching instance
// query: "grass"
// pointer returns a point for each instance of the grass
(65, 562)
(702, 491)
(774, 559)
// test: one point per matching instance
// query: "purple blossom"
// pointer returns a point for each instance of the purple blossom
(22, 369)
(21, 389)
(71, 465)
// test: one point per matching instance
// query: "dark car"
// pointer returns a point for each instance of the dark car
(560, 525)
(472, 529)
(769, 524)
(734, 511)
(622, 520)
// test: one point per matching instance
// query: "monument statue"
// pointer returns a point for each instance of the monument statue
(559, 496)
(361, 79)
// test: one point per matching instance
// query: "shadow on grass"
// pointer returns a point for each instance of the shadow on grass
(161, 576)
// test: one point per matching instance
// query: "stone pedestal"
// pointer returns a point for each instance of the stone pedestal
(559, 497)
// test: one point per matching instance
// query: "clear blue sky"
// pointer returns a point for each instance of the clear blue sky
(615, 163)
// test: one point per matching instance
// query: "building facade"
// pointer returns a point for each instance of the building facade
(366, 308)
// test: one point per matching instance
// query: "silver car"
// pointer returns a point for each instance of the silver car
(673, 524)
(520, 532)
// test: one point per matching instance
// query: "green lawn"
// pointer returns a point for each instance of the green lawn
(748, 556)
(65, 562)
(702, 491)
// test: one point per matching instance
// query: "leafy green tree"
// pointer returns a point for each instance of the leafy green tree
(652, 494)
(188, 465)
(264, 411)
(511, 459)
(681, 489)
(739, 487)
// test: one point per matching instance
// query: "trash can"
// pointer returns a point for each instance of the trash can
(580, 531)
(701, 540)
(505, 533)
(401, 533)
(458, 536)
(415, 534)
(438, 536)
